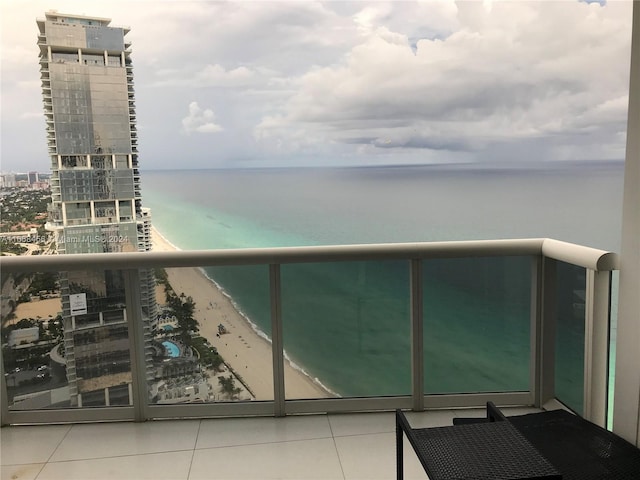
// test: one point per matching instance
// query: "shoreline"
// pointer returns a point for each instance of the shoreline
(245, 348)
(263, 336)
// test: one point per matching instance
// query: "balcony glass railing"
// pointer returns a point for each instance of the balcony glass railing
(348, 325)
(570, 311)
(301, 330)
(477, 324)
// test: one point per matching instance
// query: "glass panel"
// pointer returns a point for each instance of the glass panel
(101, 162)
(92, 59)
(65, 57)
(122, 161)
(107, 38)
(615, 286)
(477, 324)
(208, 342)
(65, 35)
(121, 237)
(126, 210)
(78, 213)
(114, 61)
(91, 107)
(105, 212)
(570, 316)
(346, 325)
(65, 340)
(73, 161)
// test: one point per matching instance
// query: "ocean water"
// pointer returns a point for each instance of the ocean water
(346, 324)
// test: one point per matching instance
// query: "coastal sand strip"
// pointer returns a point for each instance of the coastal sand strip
(242, 348)
(40, 310)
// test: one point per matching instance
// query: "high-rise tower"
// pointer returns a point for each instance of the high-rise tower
(87, 87)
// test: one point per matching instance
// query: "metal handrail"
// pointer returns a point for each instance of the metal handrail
(591, 258)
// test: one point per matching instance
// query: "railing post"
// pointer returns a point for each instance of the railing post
(546, 352)
(136, 340)
(535, 364)
(4, 401)
(277, 343)
(596, 346)
(417, 338)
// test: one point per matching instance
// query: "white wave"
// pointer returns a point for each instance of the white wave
(261, 333)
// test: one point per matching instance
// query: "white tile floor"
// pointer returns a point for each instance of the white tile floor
(334, 446)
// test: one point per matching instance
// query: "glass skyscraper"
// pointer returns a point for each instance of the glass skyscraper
(87, 87)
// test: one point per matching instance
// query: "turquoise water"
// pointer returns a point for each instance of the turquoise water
(348, 323)
(172, 349)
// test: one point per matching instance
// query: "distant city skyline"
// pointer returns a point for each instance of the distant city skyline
(258, 84)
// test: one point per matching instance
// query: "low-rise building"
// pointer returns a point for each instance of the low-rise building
(23, 335)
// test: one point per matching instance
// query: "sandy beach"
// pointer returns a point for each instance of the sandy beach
(246, 352)
(36, 309)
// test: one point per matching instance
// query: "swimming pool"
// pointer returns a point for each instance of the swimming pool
(172, 349)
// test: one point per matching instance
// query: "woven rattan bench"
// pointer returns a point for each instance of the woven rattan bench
(579, 449)
(573, 447)
(493, 450)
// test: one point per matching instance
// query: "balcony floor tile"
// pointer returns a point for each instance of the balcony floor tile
(343, 424)
(345, 446)
(27, 471)
(246, 431)
(373, 457)
(31, 444)
(157, 466)
(300, 459)
(119, 439)
(430, 418)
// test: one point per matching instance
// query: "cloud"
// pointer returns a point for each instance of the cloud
(433, 80)
(505, 74)
(199, 121)
(30, 115)
(214, 76)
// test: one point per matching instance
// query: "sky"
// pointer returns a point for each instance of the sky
(303, 83)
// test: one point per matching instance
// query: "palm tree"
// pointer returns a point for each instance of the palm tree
(183, 308)
(228, 386)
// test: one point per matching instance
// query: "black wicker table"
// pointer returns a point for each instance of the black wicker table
(479, 451)
(579, 449)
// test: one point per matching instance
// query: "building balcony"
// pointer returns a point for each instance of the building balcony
(551, 297)
(406, 342)
(325, 446)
